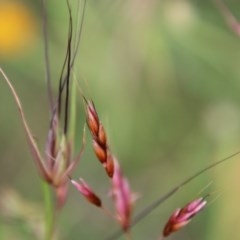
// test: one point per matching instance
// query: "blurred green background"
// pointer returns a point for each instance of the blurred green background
(165, 78)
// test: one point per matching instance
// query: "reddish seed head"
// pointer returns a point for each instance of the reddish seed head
(100, 145)
(92, 118)
(99, 151)
(102, 138)
(87, 192)
(182, 216)
(109, 166)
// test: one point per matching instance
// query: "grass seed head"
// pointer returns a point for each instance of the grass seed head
(182, 216)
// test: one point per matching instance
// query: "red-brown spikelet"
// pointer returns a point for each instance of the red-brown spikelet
(87, 192)
(109, 166)
(92, 118)
(99, 138)
(100, 152)
(182, 216)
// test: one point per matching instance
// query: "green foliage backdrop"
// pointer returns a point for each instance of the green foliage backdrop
(165, 78)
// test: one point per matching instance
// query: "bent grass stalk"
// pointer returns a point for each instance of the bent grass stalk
(49, 209)
(34, 149)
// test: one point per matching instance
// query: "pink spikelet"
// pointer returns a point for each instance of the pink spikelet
(58, 161)
(122, 197)
(87, 192)
(182, 216)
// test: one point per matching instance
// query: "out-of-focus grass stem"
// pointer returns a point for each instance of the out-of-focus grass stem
(49, 211)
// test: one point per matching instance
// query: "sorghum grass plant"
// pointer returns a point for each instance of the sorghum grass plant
(56, 165)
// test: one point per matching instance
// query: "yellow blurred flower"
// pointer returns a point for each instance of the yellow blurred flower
(17, 28)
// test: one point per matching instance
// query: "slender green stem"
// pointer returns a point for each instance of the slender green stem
(73, 102)
(49, 211)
